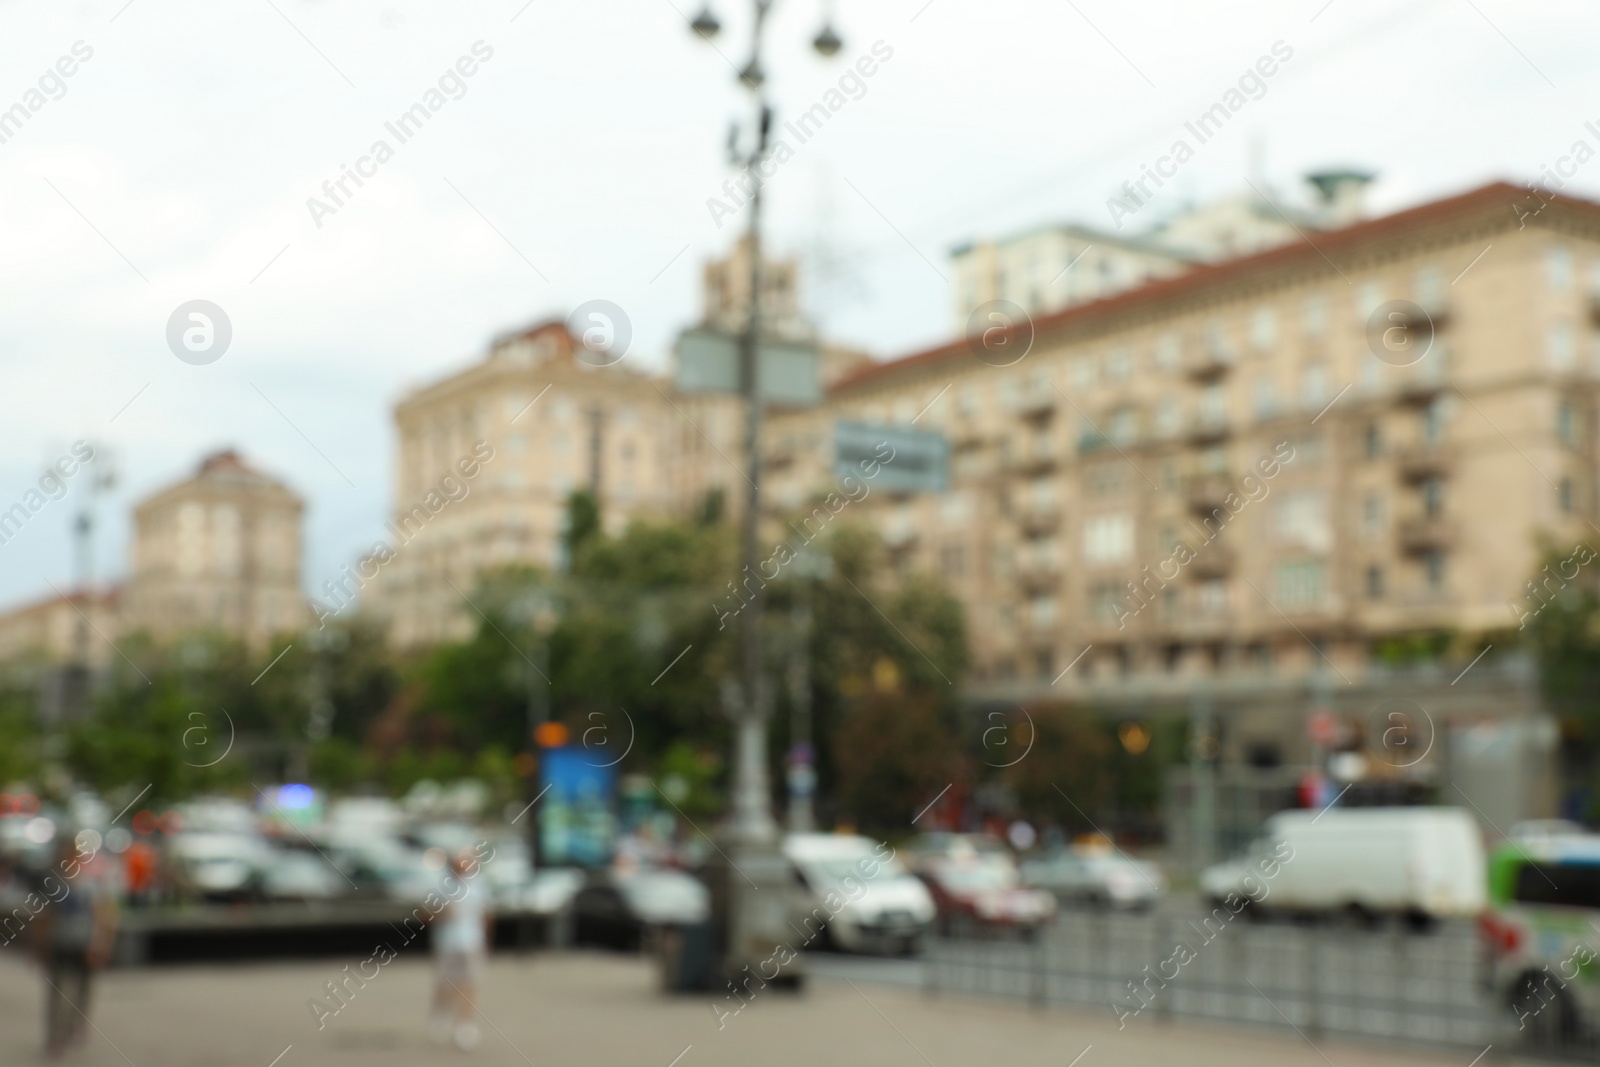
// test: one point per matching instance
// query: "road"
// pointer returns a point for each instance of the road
(582, 1009)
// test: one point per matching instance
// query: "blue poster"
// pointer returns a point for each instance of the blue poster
(576, 824)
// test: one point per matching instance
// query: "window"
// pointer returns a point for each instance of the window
(1266, 397)
(1042, 612)
(1564, 495)
(1314, 316)
(1108, 538)
(1566, 423)
(1214, 404)
(1433, 569)
(1374, 582)
(1372, 441)
(1372, 515)
(1167, 352)
(1570, 885)
(1168, 418)
(1558, 267)
(1558, 346)
(1302, 584)
(1083, 372)
(1368, 299)
(953, 508)
(1430, 289)
(953, 560)
(1263, 328)
(1432, 497)
(967, 401)
(1314, 386)
(1213, 597)
(1044, 662)
(1433, 422)
(1124, 426)
(1119, 365)
(1302, 519)
(1106, 603)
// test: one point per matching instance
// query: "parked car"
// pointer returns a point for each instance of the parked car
(1419, 863)
(1097, 875)
(219, 866)
(615, 910)
(1542, 931)
(384, 868)
(976, 885)
(886, 912)
(301, 874)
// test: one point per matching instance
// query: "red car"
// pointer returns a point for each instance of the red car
(976, 884)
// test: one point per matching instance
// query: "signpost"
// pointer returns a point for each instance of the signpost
(708, 362)
(921, 462)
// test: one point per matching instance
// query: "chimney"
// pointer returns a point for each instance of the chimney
(1341, 195)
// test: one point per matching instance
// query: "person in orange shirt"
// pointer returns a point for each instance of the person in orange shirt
(139, 870)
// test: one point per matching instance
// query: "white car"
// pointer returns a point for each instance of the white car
(1097, 876)
(887, 910)
(220, 866)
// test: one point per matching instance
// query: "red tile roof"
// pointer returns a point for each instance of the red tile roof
(1495, 196)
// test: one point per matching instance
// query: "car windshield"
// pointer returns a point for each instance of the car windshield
(971, 875)
(833, 871)
(1571, 885)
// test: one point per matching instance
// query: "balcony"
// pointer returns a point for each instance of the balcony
(1420, 461)
(1204, 493)
(1037, 403)
(1035, 519)
(1208, 362)
(1207, 428)
(1035, 458)
(1038, 573)
(1421, 534)
(1212, 561)
(1438, 311)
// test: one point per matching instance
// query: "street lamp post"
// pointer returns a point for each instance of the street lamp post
(540, 612)
(751, 919)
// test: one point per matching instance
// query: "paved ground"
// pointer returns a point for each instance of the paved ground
(578, 1009)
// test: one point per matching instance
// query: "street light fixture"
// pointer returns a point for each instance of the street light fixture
(746, 921)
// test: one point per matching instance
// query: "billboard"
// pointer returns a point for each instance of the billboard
(921, 462)
(576, 824)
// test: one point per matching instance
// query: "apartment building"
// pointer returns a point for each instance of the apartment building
(1048, 268)
(219, 551)
(1236, 476)
(488, 459)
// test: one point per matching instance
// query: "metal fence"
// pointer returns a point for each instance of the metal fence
(1392, 984)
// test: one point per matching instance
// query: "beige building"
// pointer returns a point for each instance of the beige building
(537, 420)
(1215, 477)
(219, 551)
(488, 459)
(1049, 268)
(48, 631)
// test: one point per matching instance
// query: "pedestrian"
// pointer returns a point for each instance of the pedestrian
(460, 936)
(72, 938)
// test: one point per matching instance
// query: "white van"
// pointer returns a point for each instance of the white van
(1423, 863)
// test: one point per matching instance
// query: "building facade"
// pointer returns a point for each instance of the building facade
(220, 551)
(489, 458)
(1049, 268)
(1242, 476)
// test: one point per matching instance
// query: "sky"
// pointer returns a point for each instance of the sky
(578, 160)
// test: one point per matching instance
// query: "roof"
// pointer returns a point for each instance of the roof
(1496, 196)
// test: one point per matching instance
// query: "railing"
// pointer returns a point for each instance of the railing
(1321, 980)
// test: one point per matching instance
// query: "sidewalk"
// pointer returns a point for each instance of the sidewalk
(578, 1009)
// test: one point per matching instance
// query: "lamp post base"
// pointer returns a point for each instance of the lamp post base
(755, 899)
